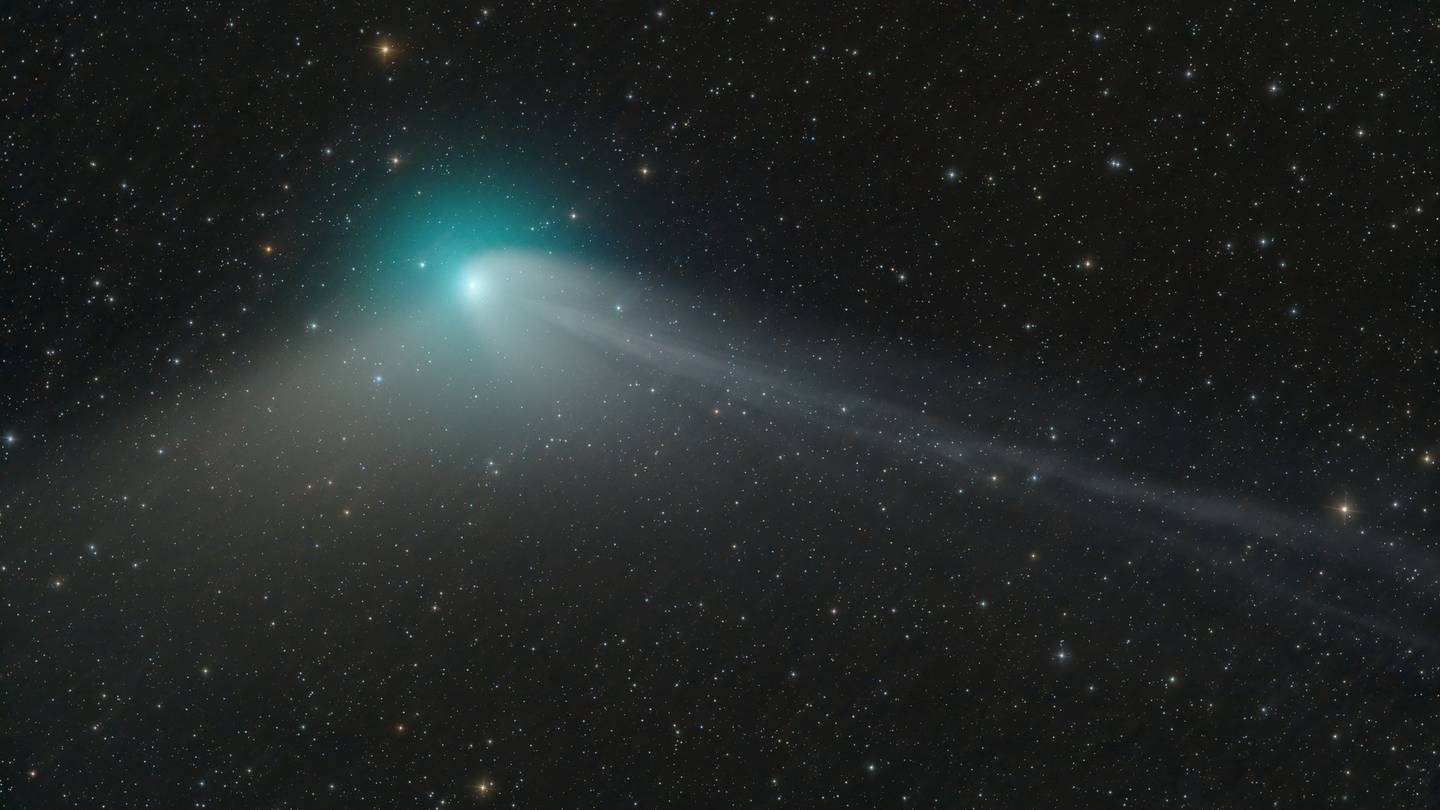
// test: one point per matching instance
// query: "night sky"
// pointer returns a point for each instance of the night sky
(732, 405)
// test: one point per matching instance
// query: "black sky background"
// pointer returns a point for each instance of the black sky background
(1193, 245)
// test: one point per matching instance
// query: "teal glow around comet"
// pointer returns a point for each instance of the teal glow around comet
(430, 243)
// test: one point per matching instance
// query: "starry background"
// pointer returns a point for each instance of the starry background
(276, 535)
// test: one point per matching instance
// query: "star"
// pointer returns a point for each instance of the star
(1345, 509)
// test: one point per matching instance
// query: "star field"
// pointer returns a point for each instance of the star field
(636, 405)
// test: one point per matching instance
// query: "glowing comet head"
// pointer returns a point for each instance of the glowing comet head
(472, 286)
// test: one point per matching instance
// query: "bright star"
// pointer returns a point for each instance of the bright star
(1345, 509)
